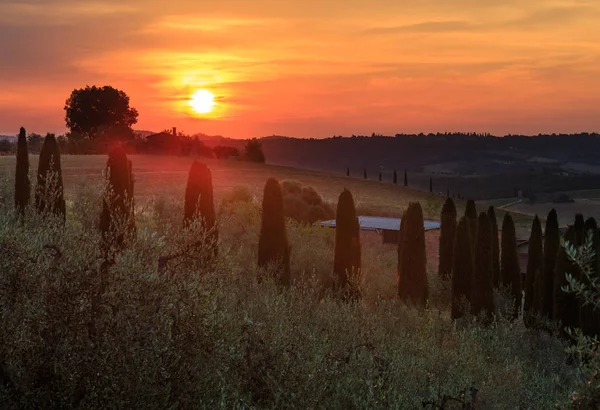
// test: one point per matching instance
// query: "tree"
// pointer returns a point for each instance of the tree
(412, 282)
(579, 229)
(510, 270)
(495, 247)
(471, 214)
(347, 258)
(365, 173)
(49, 196)
(430, 184)
(551, 247)
(22, 189)
(462, 268)
(347, 172)
(34, 142)
(482, 293)
(589, 318)
(405, 178)
(117, 219)
(379, 176)
(566, 305)
(533, 274)
(199, 202)
(254, 151)
(273, 247)
(395, 178)
(100, 112)
(448, 192)
(447, 234)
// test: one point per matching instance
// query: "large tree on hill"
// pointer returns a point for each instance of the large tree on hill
(100, 112)
(482, 293)
(510, 271)
(566, 305)
(447, 234)
(347, 258)
(495, 247)
(412, 282)
(49, 196)
(462, 268)
(117, 220)
(199, 202)
(551, 247)
(273, 247)
(22, 188)
(533, 274)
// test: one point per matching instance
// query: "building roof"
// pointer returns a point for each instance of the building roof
(377, 223)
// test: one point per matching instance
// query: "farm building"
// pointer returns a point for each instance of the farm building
(388, 228)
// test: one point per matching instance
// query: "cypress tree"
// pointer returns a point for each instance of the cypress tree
(49, 196)
(482, 293)
(533, 275)
(117, 220)
(403, 223)
(412, 282)
(566, 305)
(430, 184)
(589, 318)
(395, 178)
(22, 190)
(405, 178)
(579, 230)
(551, 247)
(448, 192)
(447, 234)
(495, 247)
(471, 214)
(379, 176)
(273, 247)
(510, 271)
(199, 202)
(347, 172)
(347, 258)
(365, 173)
(462, 268)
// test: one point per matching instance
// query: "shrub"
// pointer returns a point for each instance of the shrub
(49, 196)
(292, 187)
(533, 276)
(462, 268)
(236, 195)
(495, 247)
(447, 234)
(510, 270)
(273, 247)
(22, 189)
(347, 257)
(551, 247)
(482, 293)
(412, 281)
(310, 196)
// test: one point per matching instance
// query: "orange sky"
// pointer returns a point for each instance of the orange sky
(309, 68)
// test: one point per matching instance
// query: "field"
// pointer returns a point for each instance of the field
(210, 335)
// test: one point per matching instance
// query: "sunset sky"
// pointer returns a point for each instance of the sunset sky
(309, 68)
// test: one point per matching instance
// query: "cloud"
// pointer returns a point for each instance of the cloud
(424, 27)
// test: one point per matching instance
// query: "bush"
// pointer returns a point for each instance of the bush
(304, 204)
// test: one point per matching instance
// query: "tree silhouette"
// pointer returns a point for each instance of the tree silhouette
(447, 235)
(430, 184)
(405, 178)
(551, 247)
(49, 196)
(412, 282)
(254, 151)
(22, 189)
(379, 176)
(533, 276)
(395, 178)
(482, 293)
(365, 173)
(347, 172)
(510, 271)
(462, 268)
(495, 247)
(471, 214)
(100, 112)
(273, 247)
(347, 258)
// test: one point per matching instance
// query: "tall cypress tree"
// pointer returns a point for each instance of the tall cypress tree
(22, 190)
(347, 258)
(510, 271)
(117, 220)
(495, 247)
(199, 202)
(403, 223)
(365, 173)
(273, 246)
(395, 178)
(566, 305)
(551, 248)
(49, 196)
(412, 282)
(430, 184)
(533, 276)
(462, 268)
(405, 178)
(447, 234)
(482, 293)
(379, 176)
(471, 214)
(347, 172)
(579, 230)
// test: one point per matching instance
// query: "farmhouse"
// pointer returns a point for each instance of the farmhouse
(164, 143)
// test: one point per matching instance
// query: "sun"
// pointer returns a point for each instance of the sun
(202, 101)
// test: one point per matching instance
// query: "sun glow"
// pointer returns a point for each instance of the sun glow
(202, 101)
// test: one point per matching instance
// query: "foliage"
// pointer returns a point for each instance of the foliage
(100, 112)
(225, 152)
(495, 247)
(254, 151)
(510, 270)
(304, 204)
(49, 195)
(471, 214)
(395, 178)
(22, 188)
(273, 248)
(447, 234)
(347, 257)
(533, 281)
(462, 268)
(551, 247)
(412, 280)
(482, 293)
(405, 178)
(566, 306)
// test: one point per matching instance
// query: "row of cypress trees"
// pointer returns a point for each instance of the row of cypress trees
(395, 178)
(48, 195)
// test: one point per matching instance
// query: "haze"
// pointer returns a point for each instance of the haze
(309, 68)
